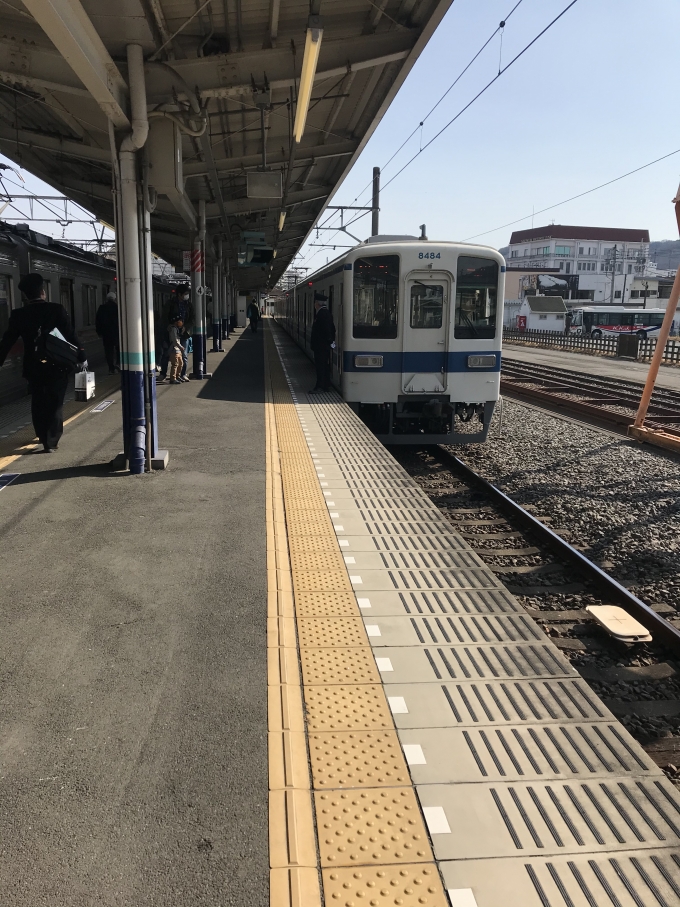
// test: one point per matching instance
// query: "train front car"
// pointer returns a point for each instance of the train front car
(420, 339)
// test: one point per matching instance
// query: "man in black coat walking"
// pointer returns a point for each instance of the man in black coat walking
(47, 381)
(253, 314)
(106, 325)
(321, 342)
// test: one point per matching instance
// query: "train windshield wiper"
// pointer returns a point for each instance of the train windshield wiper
(471, 325)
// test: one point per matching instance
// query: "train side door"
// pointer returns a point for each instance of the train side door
(426, 321)
(66, 298)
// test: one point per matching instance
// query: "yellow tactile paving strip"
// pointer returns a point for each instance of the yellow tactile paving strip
(345, 824)
(293, 852)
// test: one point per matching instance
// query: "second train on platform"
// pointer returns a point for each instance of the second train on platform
(419, 329)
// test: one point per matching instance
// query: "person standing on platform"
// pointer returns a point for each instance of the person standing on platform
(47, 380)
(106, 325)
(176, 350)
(322, 341)
(185, 310)
(253, 314)
(161, 338)
(179, 307)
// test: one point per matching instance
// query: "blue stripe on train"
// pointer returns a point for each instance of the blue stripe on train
(420, 362)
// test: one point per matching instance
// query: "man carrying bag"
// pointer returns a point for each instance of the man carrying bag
(51, 352)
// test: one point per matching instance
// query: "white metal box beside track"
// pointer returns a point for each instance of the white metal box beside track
(419, 328)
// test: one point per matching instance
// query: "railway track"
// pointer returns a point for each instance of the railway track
(604, 401)
(555, 582)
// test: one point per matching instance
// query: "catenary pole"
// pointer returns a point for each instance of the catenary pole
(662, 339)
(375, 214)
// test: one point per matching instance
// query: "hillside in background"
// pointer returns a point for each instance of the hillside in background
(666, 253)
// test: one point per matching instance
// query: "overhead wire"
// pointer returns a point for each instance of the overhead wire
(452, 85)
(480, 93)
(43, 202)
(488, 85)
(574, 197)
(432, 109)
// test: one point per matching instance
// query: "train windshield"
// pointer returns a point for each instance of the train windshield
(427, 305)
(476, 297)
(376, 296)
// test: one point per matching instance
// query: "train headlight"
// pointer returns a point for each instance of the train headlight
(368, 361)
(481, 361)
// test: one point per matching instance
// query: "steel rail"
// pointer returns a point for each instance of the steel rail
(625, 391)
(552, 387)
(607, 585)
(580, 408)
(615, 391)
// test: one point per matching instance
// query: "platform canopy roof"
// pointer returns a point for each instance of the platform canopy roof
(233, 65)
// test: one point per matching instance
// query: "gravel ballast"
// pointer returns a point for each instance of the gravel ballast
(618, 501)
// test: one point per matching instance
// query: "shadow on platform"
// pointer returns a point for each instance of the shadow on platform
(90, 470)
(233, 379)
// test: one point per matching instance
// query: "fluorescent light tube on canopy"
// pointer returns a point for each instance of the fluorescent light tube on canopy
(309, 63)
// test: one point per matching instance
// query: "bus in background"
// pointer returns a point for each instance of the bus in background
(611, 320)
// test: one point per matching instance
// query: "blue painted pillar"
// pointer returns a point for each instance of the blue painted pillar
(130, 306)
(215, 284)
(149, 364)
(226, 296)
(218, 306)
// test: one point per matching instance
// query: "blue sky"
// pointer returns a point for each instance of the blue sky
(595, 97)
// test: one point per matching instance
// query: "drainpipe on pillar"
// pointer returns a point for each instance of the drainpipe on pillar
(130, 290)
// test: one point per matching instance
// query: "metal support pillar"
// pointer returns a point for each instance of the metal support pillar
(148, 333)
(198, 295)
(217, 302)
(131, 246)
(225, 301)
(375, 214)
(131, 354)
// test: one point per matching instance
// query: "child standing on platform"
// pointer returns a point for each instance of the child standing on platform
(176, 350)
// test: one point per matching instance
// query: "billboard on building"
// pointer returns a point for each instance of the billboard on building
(538, 284)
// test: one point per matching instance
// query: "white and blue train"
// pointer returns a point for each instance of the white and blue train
(419, 329)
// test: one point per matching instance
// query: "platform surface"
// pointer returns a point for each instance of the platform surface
(275, 674)
(133, 750)
(529, 793)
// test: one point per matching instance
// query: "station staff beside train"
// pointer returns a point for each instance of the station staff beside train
(106, 325)
(47, 380)
(321, 341)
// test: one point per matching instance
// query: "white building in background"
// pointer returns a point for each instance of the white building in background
(596, 255)
(540, 313)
